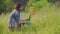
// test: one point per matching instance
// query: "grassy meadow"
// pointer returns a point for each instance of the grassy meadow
(46, 21)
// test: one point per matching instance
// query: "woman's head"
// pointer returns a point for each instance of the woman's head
(18, 5)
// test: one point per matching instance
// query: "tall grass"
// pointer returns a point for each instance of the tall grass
(46, 21)
(1, 29)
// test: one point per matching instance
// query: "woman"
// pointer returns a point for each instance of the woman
(15, 17)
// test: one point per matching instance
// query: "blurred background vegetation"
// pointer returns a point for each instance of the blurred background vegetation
(45, 21)
(6, 6)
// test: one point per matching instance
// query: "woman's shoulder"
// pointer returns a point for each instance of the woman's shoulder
(15, 11)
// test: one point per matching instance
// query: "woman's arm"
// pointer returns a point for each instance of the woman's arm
(17, 17)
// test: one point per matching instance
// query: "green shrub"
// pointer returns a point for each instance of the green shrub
(37, 4)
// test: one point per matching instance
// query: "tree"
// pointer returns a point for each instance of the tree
(1, 5)
(6, 6)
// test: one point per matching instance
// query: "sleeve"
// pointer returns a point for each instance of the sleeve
(17, 17)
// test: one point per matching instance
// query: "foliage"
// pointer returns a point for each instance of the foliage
(37, 4)
(6, 6)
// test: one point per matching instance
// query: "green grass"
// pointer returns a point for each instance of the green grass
(46, 21)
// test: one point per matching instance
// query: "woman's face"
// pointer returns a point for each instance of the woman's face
(21, 8)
